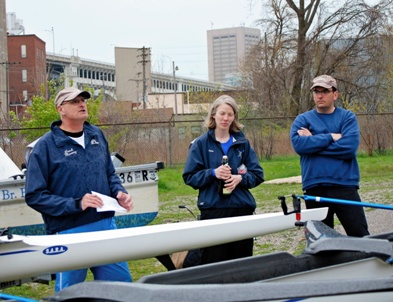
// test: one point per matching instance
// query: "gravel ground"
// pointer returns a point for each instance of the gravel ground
(379, 220)
(292, 241)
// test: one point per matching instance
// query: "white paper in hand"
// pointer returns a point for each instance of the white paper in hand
(110, 204)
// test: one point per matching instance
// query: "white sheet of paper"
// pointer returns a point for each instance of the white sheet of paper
(110, 204)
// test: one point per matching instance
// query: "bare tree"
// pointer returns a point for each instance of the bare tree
(303, 40)
(265, 66)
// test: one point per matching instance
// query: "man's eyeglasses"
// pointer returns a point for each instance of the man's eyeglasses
(75, 101)
(322, 92)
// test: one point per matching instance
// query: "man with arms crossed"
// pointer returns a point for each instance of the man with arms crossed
(327, 139)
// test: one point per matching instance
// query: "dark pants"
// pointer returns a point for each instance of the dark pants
(227, 251)
(351, 217)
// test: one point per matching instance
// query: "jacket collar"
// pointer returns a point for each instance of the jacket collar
(237, 136)
(61, 139)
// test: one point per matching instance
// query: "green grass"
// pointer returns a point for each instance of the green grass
(281, 167)
(376, 186)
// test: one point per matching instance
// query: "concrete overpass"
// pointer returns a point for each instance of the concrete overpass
(101, 75)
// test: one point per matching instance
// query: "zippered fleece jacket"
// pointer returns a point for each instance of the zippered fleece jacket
(205, 154)
(60, 172)
(324, 161)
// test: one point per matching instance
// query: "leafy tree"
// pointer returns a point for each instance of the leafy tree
(43, 112)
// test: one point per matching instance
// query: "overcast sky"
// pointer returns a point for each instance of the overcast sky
(175, 30)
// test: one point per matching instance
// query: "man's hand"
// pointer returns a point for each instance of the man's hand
(304, 132)
(336, 136)
(125, 201)
(91, 201)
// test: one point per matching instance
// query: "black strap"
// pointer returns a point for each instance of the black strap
(166, 260)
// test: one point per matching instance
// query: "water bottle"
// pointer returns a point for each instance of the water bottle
(224, 190)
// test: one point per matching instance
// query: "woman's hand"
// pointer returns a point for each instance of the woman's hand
(223, 172)
(233, 182)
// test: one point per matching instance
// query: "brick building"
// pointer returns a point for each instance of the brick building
(26, 69)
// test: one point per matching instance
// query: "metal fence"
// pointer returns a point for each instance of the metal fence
(141, 143)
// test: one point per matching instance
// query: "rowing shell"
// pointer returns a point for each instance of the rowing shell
(30, 256)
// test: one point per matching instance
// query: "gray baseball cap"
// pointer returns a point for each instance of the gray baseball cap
(324, 81)
(70, 93)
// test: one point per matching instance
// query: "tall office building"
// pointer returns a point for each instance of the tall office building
(226, 48)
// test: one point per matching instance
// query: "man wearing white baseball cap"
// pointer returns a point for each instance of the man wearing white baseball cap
(66, 165)
(70, 93)
(327, 139)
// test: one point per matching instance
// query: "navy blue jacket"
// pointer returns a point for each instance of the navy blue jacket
(323, 160)
(205, 154)
(60, 172)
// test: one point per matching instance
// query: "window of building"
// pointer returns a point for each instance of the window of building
(25, 95)
(24, 75)
(23, 51)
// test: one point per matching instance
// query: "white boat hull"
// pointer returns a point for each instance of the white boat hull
(140, 181)
(7, 166)
(30, 256)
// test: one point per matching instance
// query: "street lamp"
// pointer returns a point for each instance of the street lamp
(53, 37)
(174, 83)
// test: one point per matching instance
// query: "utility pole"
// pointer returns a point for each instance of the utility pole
(6, 65)
(145, 56)
(137, 81)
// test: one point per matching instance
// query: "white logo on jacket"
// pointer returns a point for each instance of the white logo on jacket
(69, 152)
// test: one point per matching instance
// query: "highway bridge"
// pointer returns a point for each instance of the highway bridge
(101, 76)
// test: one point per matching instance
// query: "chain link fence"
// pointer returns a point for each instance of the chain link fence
(168, 141)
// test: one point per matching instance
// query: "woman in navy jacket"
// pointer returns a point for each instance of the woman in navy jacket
(204, 171)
